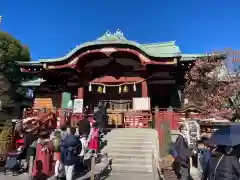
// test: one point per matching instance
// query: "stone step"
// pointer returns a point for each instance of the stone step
(129, 137)
(132, 139)
(131, 146)
(139, 131)
(145, 161)
(131, 143)
(128, 140)
(116, 155)
(132, 167)
(129, 176)
(131, 151)
(127, 151)
(133, 133)
(99, 168)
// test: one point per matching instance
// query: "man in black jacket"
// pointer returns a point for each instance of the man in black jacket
(100, 116)
(183, 153)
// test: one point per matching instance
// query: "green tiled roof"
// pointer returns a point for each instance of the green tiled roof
(161, 49)
(191, 57)
(165, 49)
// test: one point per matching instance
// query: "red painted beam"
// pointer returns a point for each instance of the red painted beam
(110, 79)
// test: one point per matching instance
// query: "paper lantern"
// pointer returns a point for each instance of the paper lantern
(99, 89)
(125, 89)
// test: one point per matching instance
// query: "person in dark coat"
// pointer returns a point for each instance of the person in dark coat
(84, 126)
(223, 165)
(69, 150)
(204, 154)
(183, 153)
(100, 116)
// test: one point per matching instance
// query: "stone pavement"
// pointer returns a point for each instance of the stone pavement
(10, 177)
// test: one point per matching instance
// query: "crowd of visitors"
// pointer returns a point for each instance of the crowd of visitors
(65, 148)
(215, 162)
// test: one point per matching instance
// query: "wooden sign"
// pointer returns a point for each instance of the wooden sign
(192, 133)
(78, 106)
(141, 104)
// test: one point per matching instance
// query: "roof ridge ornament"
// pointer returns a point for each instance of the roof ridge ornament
(119, 34)
(108, 33)
(108, 36)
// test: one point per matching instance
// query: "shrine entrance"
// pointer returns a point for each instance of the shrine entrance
(160, 95)
(117, 96)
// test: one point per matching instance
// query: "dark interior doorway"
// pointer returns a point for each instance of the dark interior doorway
(159, 95)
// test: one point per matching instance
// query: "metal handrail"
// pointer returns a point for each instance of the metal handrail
(156, 170)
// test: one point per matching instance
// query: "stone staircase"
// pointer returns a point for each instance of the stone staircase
(131, 150)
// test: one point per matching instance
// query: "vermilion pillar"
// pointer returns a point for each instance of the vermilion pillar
(80, 94)
(144, 89)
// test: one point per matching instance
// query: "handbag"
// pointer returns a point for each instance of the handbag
(215, 170)
(194, 172)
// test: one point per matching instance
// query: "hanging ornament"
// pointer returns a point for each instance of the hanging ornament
(90, 87)
(104, 89)
(99, 89)
(125, 89)
(119, 89)
(134, 87)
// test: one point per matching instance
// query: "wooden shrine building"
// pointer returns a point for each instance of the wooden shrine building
(114, 70)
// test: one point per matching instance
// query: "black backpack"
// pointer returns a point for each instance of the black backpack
(69, 153)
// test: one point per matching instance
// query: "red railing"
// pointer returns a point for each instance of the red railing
(139, 119)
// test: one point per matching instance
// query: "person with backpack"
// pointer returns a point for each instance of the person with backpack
(70, 148)
(59, 167)
(64, 132)
(204, 154)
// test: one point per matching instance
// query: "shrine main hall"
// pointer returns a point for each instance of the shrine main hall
(124, 74)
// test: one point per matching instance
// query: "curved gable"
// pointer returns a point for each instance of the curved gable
(155, 50)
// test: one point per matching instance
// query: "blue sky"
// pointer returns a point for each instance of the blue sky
(51, 28)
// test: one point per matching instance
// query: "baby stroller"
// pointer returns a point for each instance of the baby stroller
(13, 163)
